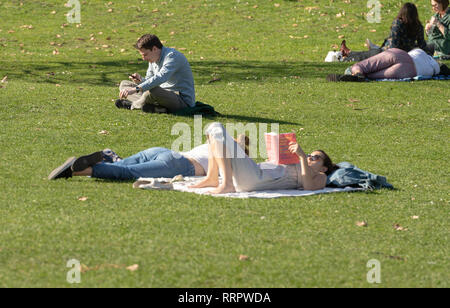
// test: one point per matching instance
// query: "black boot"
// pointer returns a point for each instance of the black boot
(84, 162)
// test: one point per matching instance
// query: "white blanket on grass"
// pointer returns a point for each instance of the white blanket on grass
(165, 183)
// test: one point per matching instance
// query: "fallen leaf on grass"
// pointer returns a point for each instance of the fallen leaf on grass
(82, 199)
(4, 79)
(243, 258)
(104, 132)
(415, 217)
(362, 224)
(353, 100)
(399, 228)
(133, 268)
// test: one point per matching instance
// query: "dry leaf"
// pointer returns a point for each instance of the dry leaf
(82, 199)
(4, 79)
(341, 36)
(57, 85)
(55, 52)
(243, 258)
(415, 217)
(373, 30)
(353, 100)
(133, 268)
(104, 132)
(399, 228)
(276, 5)
(362, 224)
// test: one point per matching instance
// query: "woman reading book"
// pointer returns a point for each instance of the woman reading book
(241, 173)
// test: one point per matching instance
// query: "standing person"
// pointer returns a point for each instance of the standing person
(168, 84)
(407, 33)
(438, 29)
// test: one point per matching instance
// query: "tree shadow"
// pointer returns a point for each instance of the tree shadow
(110, 73)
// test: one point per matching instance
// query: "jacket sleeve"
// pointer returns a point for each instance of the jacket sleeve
(169, 67)
(397, 30)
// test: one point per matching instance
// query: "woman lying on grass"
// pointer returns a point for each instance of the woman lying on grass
(151, 163)
(240, 173)
(393, 64)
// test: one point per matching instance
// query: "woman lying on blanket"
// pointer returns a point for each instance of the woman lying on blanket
(393, 64)
(240, 173)
(151, 163)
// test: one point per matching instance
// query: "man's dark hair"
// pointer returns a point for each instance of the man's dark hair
(148, 41)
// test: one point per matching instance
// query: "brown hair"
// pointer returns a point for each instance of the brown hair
(148, 41)
(410, 17)
(328, 163)
(244, 142)
(444, 3)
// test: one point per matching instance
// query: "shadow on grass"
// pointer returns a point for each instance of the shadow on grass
(110, 73)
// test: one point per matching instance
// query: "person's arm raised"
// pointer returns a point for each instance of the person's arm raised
(312, 180)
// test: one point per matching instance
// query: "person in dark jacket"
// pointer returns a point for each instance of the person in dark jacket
(407, 33)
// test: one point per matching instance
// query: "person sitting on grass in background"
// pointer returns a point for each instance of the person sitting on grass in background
(407, 33)
(151, 163)
(393, 63)
(168, 85)
(240, 173)
(438, 29)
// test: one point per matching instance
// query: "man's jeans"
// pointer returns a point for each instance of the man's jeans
(151, 163)
(156, 96)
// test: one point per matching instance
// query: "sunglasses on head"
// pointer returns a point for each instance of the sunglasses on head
(314, 157)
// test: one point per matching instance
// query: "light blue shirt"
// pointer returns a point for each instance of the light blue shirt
(172, 72)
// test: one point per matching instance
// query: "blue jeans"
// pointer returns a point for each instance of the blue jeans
(151, 163)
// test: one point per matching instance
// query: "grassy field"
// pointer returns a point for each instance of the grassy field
(61, 82)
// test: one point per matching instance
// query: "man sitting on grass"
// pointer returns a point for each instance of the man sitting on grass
(168, 85)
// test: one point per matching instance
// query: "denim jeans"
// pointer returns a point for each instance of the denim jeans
(151, 163)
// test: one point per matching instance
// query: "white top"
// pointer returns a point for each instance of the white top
(425, 64)
(200, 154)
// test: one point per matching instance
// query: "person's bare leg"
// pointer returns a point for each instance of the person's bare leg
(227, 185)
(85, 172)
(212, 176)
(224, 165)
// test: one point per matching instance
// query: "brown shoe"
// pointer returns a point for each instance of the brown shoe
(344, 49)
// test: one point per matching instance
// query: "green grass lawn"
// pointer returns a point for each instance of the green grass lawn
(58, 96)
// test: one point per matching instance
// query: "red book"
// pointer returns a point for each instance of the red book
(277, 146)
